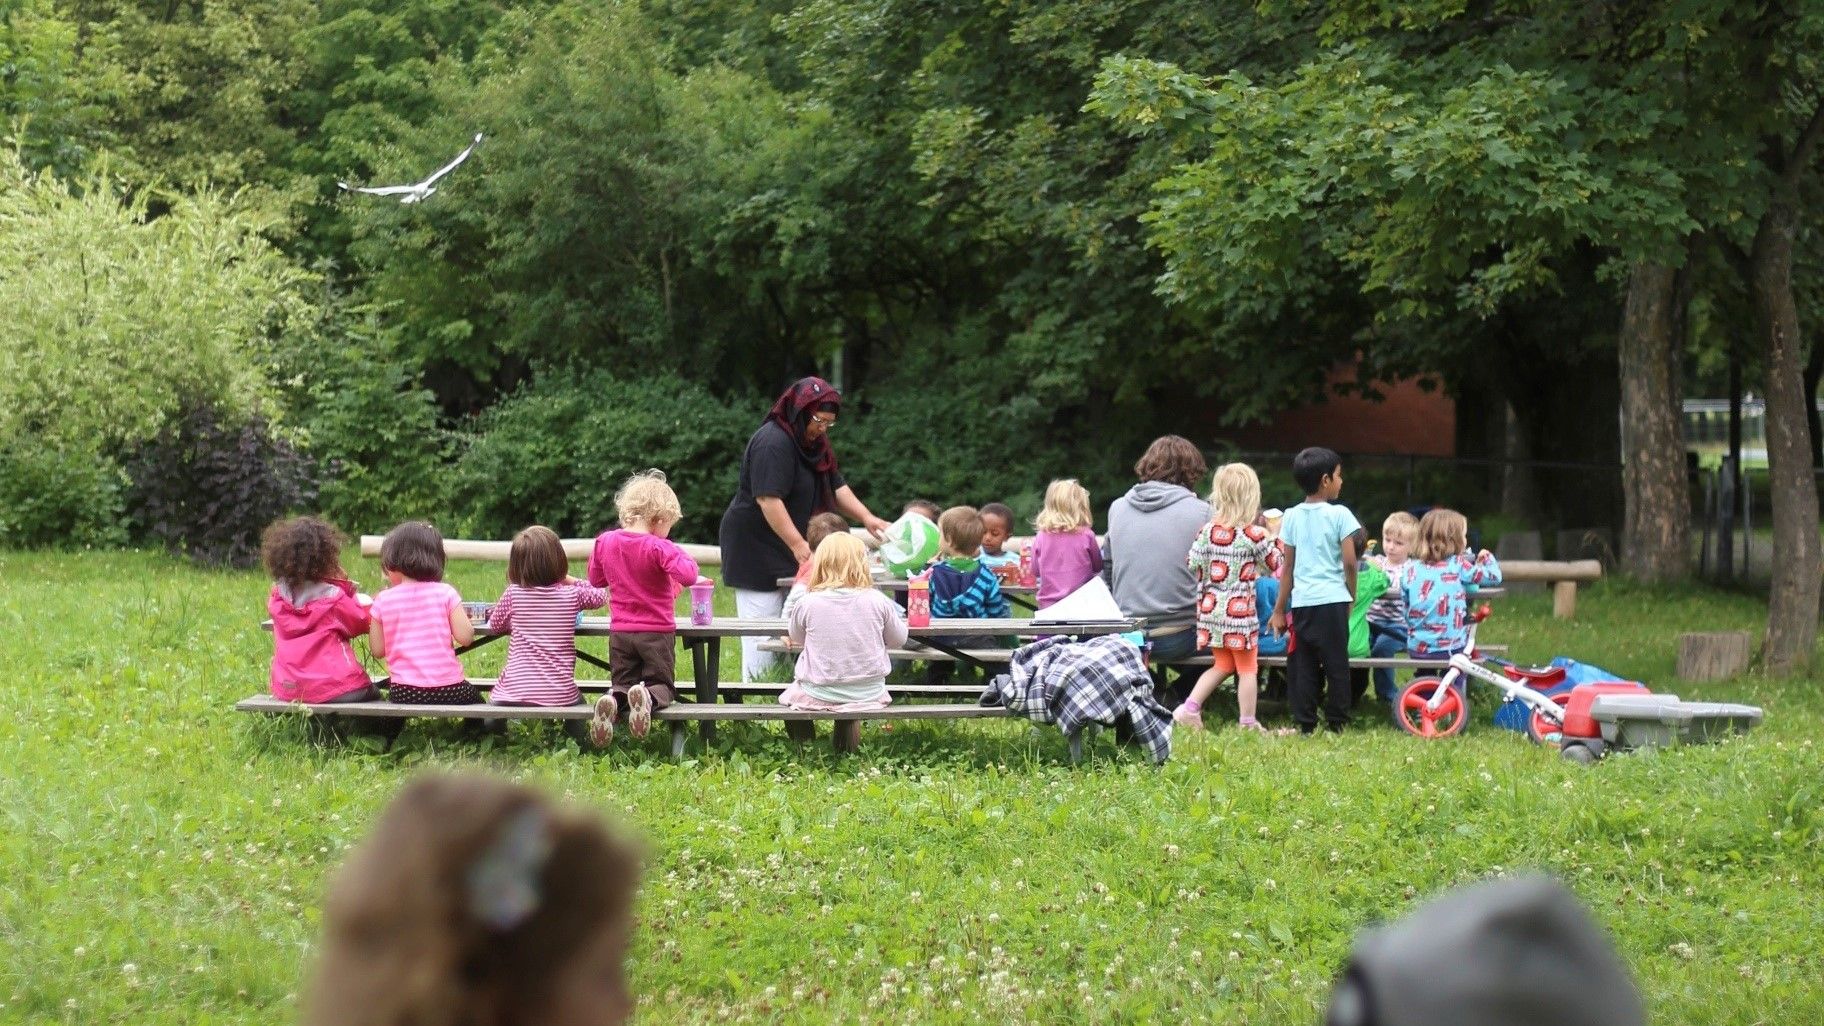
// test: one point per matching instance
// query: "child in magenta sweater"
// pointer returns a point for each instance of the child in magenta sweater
(315, 612)
(643, 569)
(1065, 554)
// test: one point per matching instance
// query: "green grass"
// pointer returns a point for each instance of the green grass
(163, 857)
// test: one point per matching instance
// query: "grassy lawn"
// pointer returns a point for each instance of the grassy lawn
(163, 856)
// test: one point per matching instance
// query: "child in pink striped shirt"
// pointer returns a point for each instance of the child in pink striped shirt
(418, 621)
(539, 610)
(642, 569)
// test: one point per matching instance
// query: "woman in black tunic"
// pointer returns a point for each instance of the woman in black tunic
(788, 475)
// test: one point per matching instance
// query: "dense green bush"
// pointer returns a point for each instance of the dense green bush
(121, 305)
(59, 498)
(208, 484)
(555, 452)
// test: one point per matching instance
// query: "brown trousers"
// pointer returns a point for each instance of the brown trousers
(644, 657)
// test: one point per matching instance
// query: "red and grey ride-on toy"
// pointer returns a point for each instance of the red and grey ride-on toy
(1584, 723)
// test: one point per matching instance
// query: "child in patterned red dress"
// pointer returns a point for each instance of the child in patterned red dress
(1228, 556)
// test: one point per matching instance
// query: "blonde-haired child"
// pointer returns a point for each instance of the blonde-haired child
(476, 902)
(844, 628)
(538, 611)
(1436, 589)
(643, 569)
(1228, 556)
(1065, 553)
(1387, 614)
(315, 611)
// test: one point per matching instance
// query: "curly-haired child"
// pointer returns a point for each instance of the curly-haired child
(476, 902)
(643, 569)
(315, 612)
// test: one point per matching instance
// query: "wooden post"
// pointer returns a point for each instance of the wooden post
(1714, 656)
(801, 730)
(846, 735)
(1564, 599)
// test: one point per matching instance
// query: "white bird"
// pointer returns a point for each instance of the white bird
(416, 193)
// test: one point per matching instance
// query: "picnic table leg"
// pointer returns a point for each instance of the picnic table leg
(1076, 747)
(801, 730)
(708, 688)
(680, 730)
(846, 735)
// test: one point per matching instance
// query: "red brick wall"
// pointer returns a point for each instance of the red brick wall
(1408, 420)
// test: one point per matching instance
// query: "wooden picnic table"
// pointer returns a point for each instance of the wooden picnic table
(1023, 595)
(704, 641)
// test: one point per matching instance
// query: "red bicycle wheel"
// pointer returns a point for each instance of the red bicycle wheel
(1542, 730)
(1412, 711)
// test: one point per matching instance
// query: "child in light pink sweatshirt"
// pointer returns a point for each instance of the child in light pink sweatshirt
(846, 628)
(643, 569)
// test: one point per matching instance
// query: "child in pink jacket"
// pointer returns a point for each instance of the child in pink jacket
(315, 611)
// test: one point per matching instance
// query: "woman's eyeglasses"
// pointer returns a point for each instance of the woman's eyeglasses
(827, 422)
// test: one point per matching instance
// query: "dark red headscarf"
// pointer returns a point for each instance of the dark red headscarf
(791, 413)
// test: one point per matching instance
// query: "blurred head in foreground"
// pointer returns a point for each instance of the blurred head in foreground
(477, 902)
(1508, 953)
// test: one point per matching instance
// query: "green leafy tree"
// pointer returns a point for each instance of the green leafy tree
(1446, 161)
(200, 92)
(589, 227)
(51, 98)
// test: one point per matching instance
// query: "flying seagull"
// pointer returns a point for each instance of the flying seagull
(416, 193)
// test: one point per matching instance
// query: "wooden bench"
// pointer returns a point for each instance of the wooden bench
(1002, 656)
(845, 733)
(1563, 576)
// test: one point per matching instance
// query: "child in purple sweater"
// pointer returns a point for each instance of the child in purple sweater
(1065, 553)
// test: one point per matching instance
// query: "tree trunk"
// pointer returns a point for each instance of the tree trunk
(1792, 608)
(1656, 521)
(1814, 373)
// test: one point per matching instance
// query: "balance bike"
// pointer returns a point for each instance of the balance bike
(1432, 707)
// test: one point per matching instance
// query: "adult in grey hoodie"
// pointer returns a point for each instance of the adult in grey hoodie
(1150, 530)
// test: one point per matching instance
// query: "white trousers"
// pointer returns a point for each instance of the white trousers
(757, 605)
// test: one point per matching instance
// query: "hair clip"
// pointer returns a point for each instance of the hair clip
(503, 881)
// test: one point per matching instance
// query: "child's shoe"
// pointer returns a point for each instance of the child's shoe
(1189, 716)
(639, 710)
(601, 725)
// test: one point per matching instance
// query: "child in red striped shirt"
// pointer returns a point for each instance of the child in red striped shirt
(539, 610)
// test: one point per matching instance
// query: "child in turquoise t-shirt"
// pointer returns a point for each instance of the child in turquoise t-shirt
(1322, 543)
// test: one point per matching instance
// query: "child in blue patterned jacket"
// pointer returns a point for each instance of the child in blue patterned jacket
(1437, 587)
